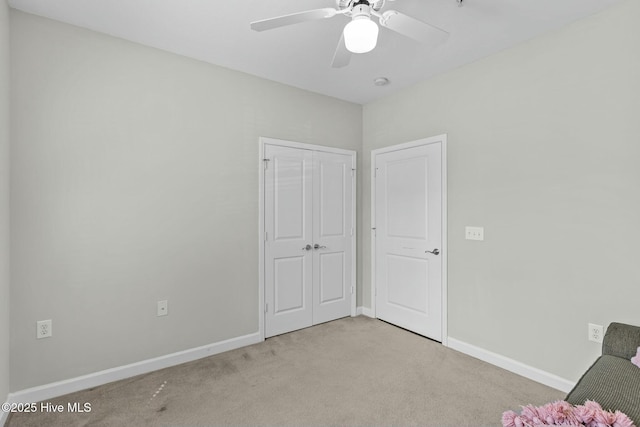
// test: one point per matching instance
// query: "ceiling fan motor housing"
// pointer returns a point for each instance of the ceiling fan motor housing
(360, 10)
(353, 4)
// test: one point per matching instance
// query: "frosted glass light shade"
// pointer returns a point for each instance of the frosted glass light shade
(361, 35)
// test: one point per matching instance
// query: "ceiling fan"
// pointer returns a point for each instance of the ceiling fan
(360, 35)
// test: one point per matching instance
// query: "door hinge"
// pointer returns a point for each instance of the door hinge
(266, 307)
(266, 236)
(375, 233)
(352, 290)
(353, 171)
(266, 163)
(375, 172)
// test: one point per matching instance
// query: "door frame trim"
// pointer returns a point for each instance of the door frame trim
(264, 141)
(442, 139)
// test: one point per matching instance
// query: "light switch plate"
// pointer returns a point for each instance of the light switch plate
(474, 233)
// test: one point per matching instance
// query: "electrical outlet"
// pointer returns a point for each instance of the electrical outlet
(474, 233)
(163, 308)
(596, 333)
(44, 329)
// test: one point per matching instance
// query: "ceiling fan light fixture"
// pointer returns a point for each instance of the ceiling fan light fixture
(361, 34)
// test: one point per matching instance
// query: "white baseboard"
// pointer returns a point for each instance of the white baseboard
(60, 388)
(512, 365)
(364, 311)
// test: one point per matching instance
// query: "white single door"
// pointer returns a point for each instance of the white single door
(289, 239)
(408, 238)
(308, 248)
(332, 231)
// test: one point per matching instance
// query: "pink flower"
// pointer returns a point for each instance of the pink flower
(511, 419)
(535, 416)
(622, 420)
(508, 419)
(583, 414)
(594, 406)
(636, 359)
(561, 413)
(605, 418)
(520, 422)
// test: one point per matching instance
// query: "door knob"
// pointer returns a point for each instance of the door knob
(317, 246)
(307, 248)
(435, 252)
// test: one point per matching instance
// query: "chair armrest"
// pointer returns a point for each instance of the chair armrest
(621, 340)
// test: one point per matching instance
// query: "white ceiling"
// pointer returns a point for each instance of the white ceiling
(218, 32)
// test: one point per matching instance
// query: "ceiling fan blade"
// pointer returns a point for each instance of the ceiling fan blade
(342, 57)
(294, 18)
(413, 28)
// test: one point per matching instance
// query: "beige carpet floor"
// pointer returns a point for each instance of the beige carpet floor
(350, 372)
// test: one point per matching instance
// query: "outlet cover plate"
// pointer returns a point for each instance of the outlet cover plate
(596, 333)
(44, 329)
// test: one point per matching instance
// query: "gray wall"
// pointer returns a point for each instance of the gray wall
(4, 200)
(544, 152)
(135, 179)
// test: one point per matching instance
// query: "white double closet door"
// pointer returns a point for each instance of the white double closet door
(309, 243)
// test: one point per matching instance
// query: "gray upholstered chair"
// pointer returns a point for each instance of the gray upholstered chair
(613, 381)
